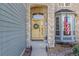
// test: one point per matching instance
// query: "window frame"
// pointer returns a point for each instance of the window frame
(63, 4)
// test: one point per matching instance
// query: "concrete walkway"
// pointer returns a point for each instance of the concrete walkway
(38, 48)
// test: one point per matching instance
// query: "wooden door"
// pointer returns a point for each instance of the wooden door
(38, 27)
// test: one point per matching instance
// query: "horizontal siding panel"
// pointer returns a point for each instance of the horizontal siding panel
(12, 29)
(0, 42)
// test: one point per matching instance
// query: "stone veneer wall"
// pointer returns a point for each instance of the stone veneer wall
(52, 8)
(51, 25)
(75, 7)
(28, 25)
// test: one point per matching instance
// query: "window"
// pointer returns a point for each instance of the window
(57, 23)
(64, 4)
(61, 4)
(67, 4)
(57, 32)
(38, 16)
(73, 32)
(57, 26)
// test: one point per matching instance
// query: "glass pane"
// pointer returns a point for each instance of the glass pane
(61, 4)
(57, 32)
(67, 25)
(67, 4)
(38, 16)
(73, 24)
(73, 32)
(57, 23)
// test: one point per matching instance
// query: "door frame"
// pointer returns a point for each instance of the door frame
(45, 18)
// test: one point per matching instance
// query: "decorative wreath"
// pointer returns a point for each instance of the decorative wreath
(36, 26)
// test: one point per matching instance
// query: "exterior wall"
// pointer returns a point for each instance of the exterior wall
(12, 29)
(52, 8)
(28, 26)
(51, 25)
(75, 7)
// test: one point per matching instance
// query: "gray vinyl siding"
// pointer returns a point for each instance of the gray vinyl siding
(12, 29)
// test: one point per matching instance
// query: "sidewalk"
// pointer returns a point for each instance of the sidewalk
(38, 48)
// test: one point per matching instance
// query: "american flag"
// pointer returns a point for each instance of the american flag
(66, 26)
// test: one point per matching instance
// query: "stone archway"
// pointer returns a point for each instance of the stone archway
(51, 26)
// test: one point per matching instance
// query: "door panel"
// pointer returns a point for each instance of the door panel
(37, 33)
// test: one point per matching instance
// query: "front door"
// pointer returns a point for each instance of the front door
(38, 26)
